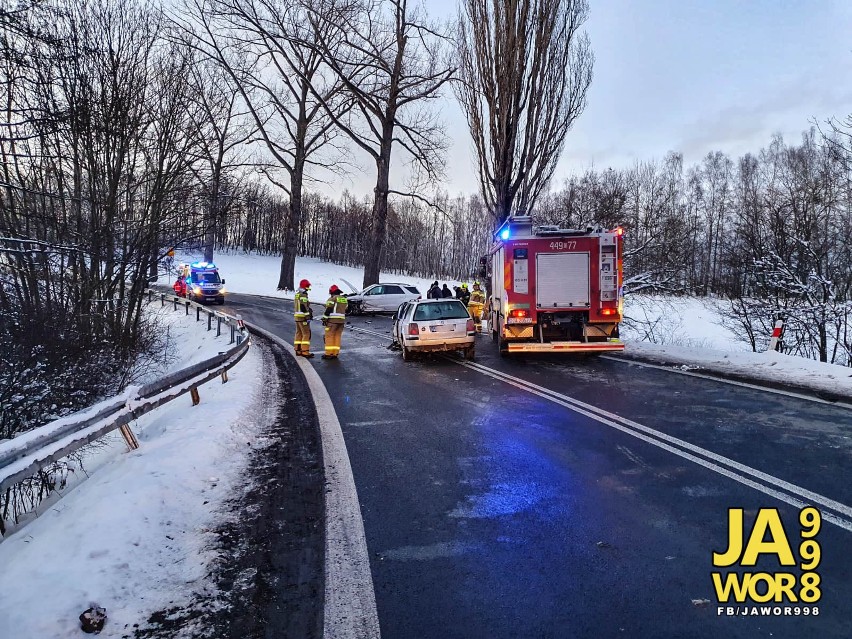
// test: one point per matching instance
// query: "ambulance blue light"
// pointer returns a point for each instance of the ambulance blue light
(504, 234)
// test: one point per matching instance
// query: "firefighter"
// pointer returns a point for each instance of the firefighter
(303, 314)
(476, 305)
(464, 294)
(333, 319)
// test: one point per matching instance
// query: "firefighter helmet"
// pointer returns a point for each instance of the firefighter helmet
(333, 289)
(304, 284)
(464, 286)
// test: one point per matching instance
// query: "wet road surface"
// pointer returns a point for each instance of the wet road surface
(493, 511)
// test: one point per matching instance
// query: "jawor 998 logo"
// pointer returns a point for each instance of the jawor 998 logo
(787, 589)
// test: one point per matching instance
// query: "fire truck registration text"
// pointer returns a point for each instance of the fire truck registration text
(561, 246)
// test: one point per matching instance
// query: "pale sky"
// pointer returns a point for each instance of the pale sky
(685, 75)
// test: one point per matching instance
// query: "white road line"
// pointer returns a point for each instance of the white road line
(350, 600)
(732, 382)
(671, 444)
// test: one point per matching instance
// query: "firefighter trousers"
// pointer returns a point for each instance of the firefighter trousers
(302, 341)
(333, 333)
(475, 310)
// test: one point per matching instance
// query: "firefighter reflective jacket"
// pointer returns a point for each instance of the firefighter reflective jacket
(477, 297)
(335, 309)
(302, 308)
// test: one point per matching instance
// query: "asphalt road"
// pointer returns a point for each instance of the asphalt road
(564, 497)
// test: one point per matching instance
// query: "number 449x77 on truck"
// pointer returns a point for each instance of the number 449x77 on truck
(555, 290)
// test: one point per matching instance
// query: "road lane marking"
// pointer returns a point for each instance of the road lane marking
(350, 610)
(800, 497)
(732, 382)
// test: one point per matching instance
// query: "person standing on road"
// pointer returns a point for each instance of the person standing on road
(303, 315)
(476, 305)
(446, 292)
(333, 319)
(434, 292)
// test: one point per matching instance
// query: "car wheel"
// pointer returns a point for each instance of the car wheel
(469, 352)
(407, 355)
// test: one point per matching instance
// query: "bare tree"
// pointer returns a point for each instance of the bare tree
(270, 51)
(524, 70)
(220, 133)
(391, 61)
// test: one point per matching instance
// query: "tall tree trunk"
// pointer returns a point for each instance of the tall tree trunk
(287, 275)
(372, 261)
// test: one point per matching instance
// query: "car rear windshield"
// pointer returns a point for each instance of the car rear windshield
(450, 309)
(412, 289)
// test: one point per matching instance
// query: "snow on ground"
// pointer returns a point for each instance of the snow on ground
(133, 537)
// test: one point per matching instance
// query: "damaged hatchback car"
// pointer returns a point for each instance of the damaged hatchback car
(426, 326)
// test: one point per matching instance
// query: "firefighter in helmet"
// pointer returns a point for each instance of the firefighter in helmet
(463, 294)
(303, 314)
(333, 319)
(476, 305)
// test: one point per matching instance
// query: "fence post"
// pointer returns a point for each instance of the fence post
(224, 375)
(197, 313)
(775, 340)
(174, 299)
(209, 320)
(218, 326)
(129, 437)
(233, 331)
(196, 399)
(162, 299)
(187, 307)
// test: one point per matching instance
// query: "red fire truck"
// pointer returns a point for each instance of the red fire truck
(555, 290)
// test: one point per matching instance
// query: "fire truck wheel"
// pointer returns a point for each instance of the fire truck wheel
(501, 343)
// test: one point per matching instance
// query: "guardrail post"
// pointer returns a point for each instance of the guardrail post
(174, 299)
(218, 326)
(197, 313)
(239, 339)
(196, 399)
(187, 307)
(233, 332)
(162, 299)
(209, 321)
(129, 437)
(150, 295)
(225, 376)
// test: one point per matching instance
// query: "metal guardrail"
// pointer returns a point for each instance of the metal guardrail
(26, 454)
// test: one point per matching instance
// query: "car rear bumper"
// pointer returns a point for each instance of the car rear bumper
(437, 345)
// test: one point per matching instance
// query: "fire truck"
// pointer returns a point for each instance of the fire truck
(555, 290)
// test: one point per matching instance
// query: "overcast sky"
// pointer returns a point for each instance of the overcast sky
(691, 76)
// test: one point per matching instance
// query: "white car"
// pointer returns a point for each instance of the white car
(424, 326)
(380, 298)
